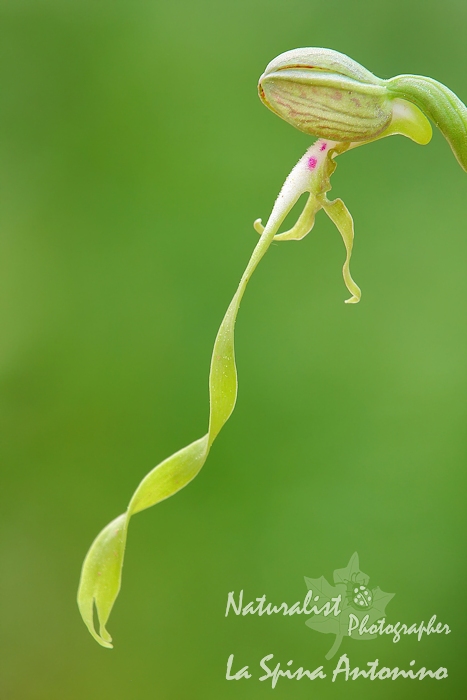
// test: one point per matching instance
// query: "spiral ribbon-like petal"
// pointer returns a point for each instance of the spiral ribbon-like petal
(102, 569)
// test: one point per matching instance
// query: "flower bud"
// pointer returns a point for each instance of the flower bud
(327, 94)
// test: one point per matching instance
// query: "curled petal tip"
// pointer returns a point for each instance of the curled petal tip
(258, 226)
(100, 578)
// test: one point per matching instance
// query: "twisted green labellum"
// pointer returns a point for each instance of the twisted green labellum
(321, 92)
(101, 573)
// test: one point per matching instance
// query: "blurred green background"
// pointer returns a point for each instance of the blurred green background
(134, 157)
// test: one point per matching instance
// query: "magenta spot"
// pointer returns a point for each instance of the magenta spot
(312, 162)
(323, 146)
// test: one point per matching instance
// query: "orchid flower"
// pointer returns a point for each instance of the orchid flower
(322, 93)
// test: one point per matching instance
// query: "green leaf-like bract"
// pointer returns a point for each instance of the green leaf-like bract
(443, 107)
